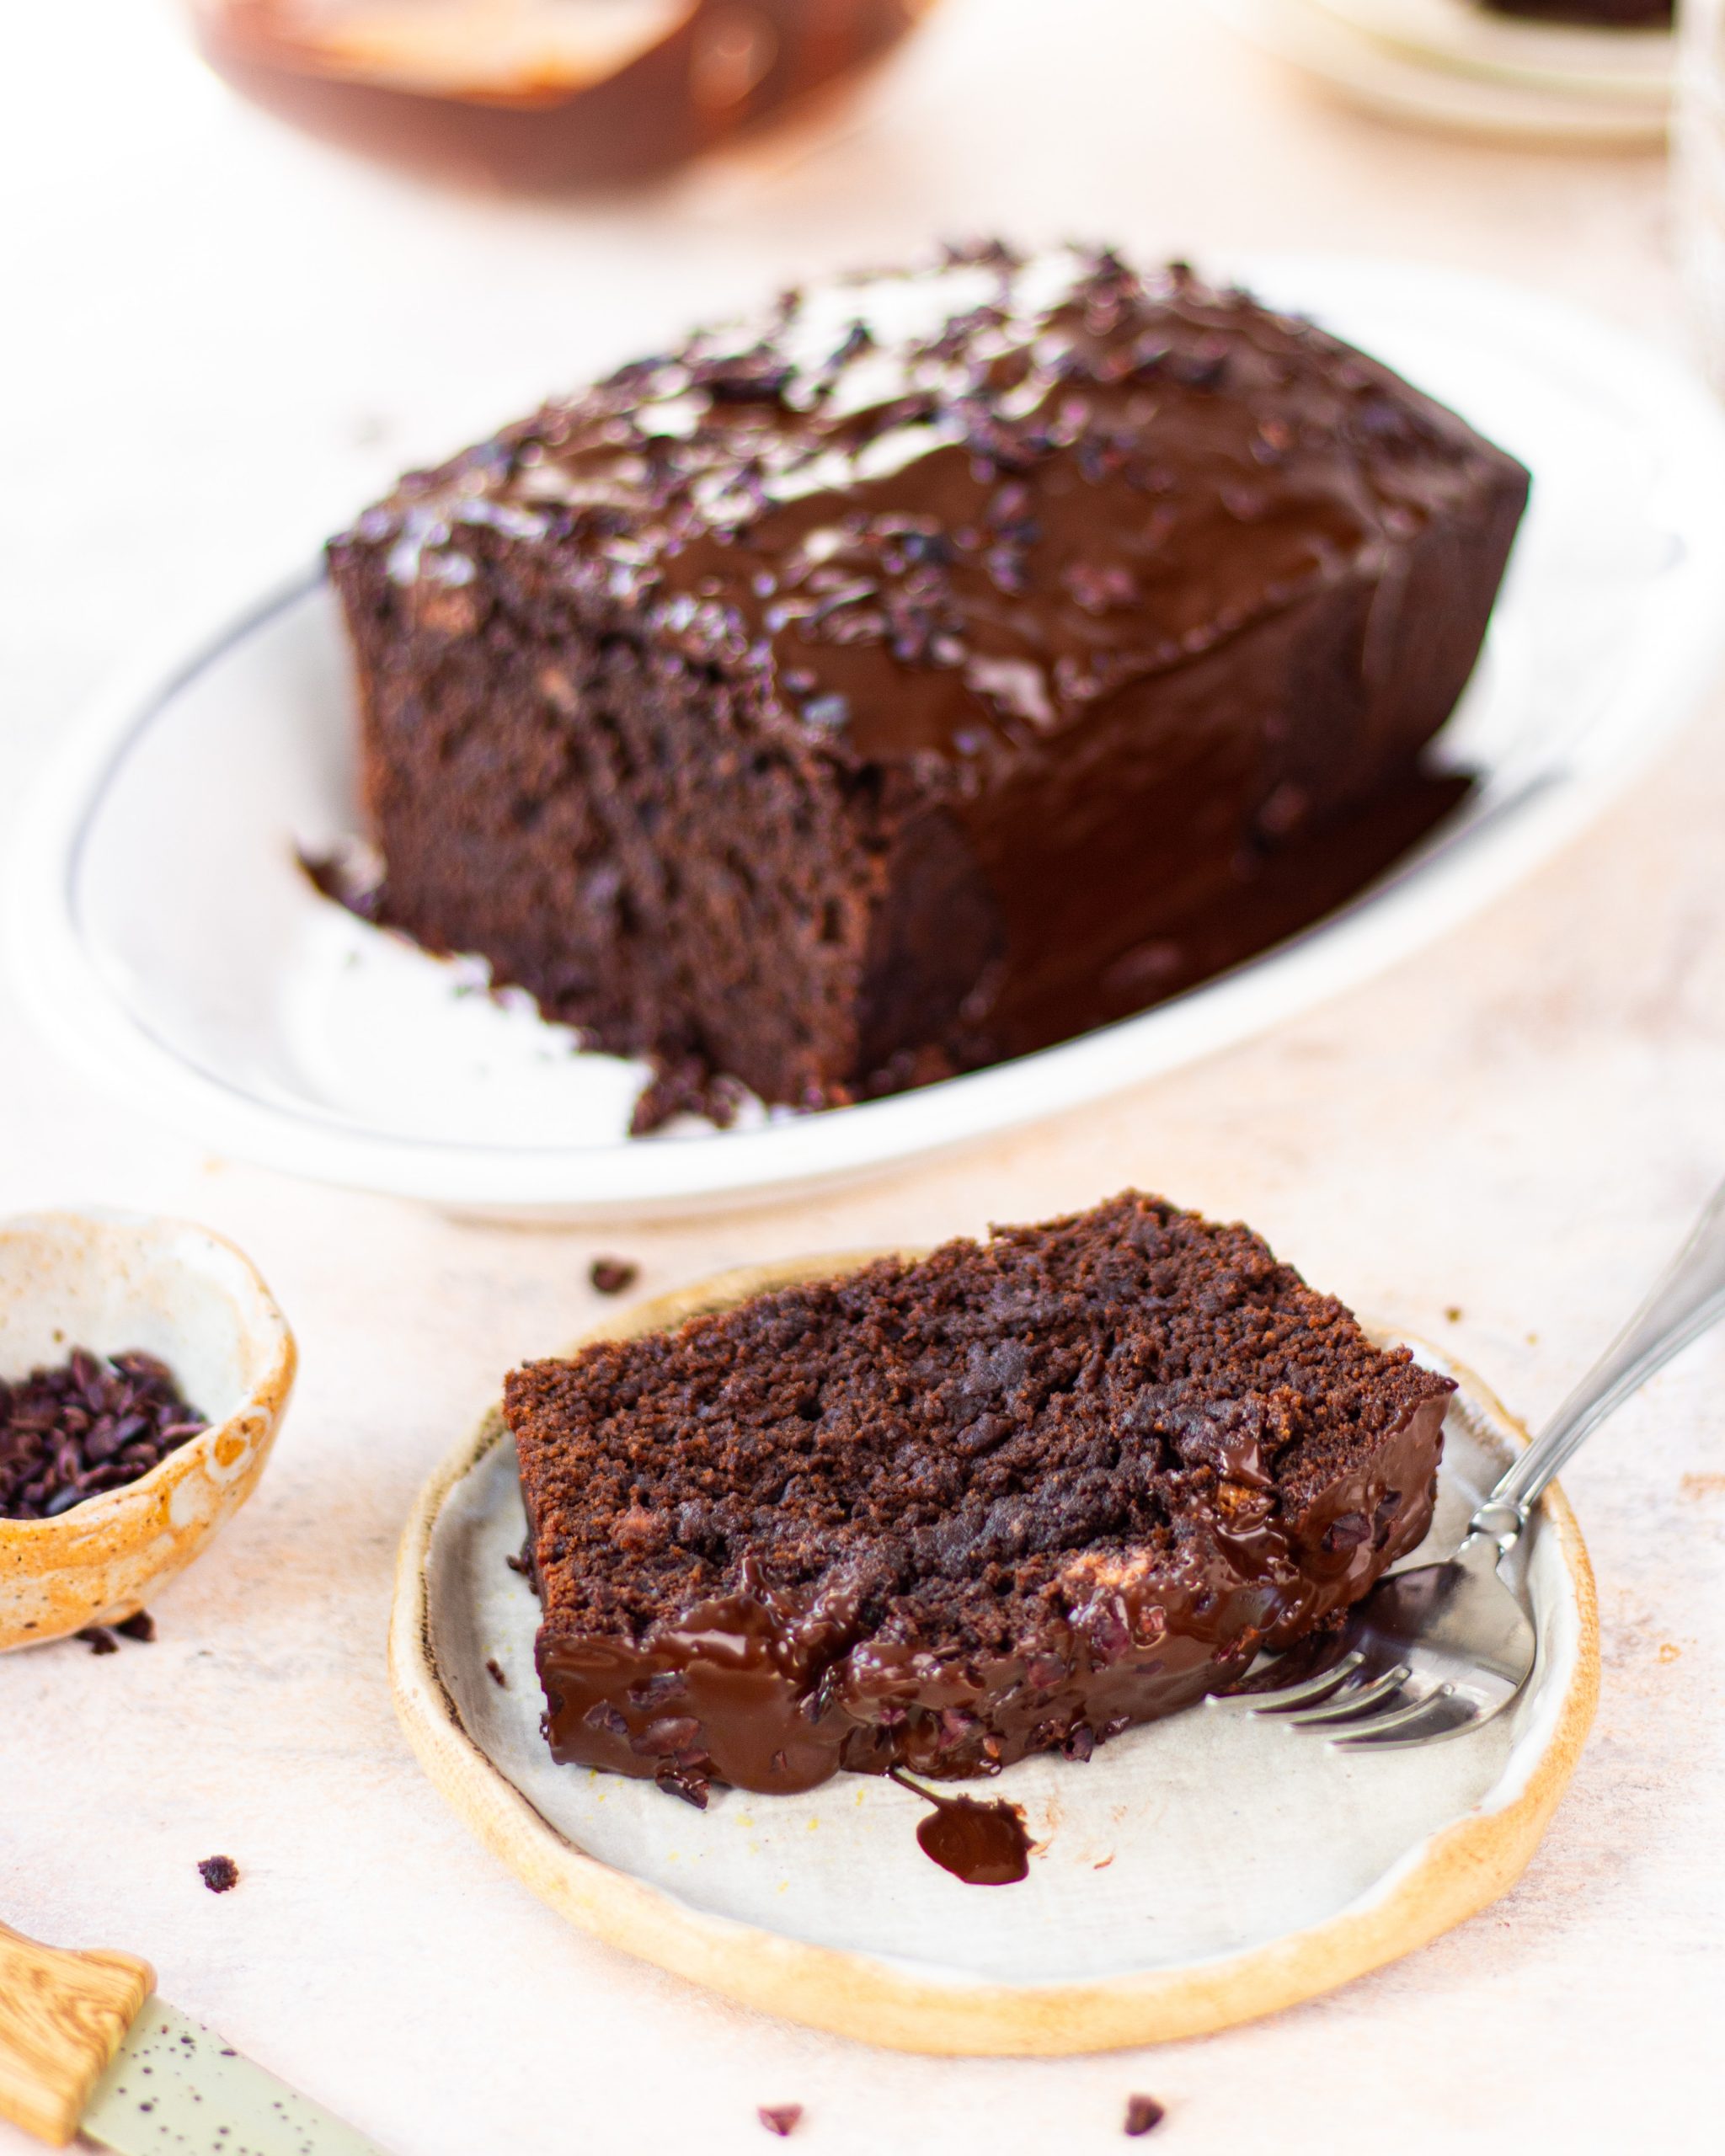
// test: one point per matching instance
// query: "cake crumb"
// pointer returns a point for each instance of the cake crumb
(141, 1625)
(99, 1639)
(494, 1670)
(1142, 2113)
(220, 1873)
(780, 2118)
(1454, 1312)
(1670, 1650)
(611, 1276)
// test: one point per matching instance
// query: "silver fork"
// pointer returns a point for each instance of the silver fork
(1437, 1650)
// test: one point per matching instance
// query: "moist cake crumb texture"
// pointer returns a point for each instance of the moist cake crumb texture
(939, 1513)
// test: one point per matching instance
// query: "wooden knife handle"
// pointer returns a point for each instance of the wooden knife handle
(62, 2016)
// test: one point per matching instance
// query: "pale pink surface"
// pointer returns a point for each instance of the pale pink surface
(230, 339)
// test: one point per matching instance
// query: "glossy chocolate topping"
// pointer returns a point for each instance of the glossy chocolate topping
(947, 513)
(942, 1515)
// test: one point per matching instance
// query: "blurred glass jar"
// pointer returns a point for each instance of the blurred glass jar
(540, 93)
(1700, 169)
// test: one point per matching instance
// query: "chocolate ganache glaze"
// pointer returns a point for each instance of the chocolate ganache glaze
(1090, 625)
(943, 1514)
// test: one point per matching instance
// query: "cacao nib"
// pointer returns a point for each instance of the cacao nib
(90, 1424)
(1143, 2114)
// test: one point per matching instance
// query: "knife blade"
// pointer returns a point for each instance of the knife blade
(86, 2046)
(175, 2089)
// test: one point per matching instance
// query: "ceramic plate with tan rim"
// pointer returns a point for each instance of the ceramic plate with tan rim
(1199, 1872)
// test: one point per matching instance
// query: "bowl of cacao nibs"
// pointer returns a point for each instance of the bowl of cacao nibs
(144, 1368)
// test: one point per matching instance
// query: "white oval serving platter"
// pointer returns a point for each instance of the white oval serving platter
(160, 927)
(1199, 1872)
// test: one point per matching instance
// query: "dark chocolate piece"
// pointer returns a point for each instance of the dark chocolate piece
(613, 1276)
(99, 1639)
(140, 1625)
(942, 664)
(1009, 1498)
(220, 1873)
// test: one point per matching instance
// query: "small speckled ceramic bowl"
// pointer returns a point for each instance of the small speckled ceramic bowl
(107, 1281)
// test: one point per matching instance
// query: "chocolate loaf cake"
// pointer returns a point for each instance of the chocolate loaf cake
(936, 667)
(1007, 1498)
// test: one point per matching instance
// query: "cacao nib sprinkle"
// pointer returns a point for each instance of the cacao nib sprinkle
(493, 1669)
(99, 1639)
(92, 1423)
(1143, 2113)
(780, 2118)
(680, 1778)
(612, 1276)
(858, 339)
(757, 377)
(347, 874)
(142, 1627)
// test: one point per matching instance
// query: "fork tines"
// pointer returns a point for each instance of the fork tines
(1363, 1711)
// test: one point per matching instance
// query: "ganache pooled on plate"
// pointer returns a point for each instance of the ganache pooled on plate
(945, 662)
(936, 1514)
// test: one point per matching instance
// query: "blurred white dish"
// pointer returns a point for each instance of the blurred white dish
(161, 928)
(1444, 63)
(1626, 65)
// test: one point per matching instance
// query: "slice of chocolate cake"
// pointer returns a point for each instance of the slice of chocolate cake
(939, 665)
(1010, 1497)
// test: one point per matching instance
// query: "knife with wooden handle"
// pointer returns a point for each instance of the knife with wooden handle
(86, 2047)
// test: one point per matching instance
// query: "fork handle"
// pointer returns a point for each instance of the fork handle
(1688, 1296)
